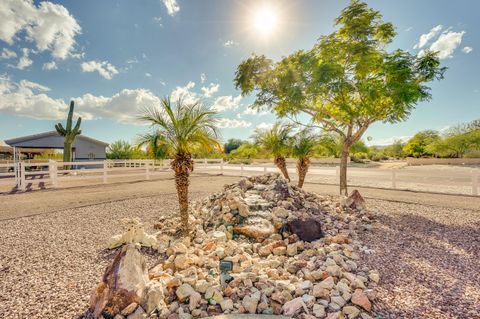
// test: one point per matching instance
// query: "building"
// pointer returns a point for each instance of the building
(83, 149)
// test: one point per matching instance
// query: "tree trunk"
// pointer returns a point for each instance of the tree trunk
(181, 182)
(182, 165)
(343, 169)
(282, 166)
(302, 168)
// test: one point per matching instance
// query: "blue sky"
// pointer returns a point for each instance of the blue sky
(114, 57)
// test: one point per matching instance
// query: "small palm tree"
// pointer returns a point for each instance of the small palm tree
(183, 128)
(275, 140)
(155, 143)
(303, 147)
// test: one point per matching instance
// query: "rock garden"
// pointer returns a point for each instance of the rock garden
(261, 246)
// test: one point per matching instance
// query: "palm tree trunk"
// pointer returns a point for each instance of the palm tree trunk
(182, 165)
(182, 182)
(282, 166)
(302, 167)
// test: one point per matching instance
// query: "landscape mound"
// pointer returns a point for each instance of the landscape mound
(292, 252)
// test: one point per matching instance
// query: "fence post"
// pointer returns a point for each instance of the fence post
(105, 169)
(147, 170)
(241, 169)
(23, 182)
(337, 173)
(221, 167)
(394, 179)
(205, 161)
(474, 183)
(52, 168)
(265, 170)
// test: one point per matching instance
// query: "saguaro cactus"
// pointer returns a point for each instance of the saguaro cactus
(69, 134)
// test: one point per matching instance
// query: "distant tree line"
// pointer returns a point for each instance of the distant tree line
(462, 140)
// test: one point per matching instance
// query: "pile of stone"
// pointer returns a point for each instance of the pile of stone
(293, 253)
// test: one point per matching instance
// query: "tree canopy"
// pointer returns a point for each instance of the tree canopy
(347, 81)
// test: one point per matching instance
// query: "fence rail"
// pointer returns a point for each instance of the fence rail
(52, 173)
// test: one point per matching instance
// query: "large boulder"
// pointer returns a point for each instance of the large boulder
(307, 229)
(123, 283)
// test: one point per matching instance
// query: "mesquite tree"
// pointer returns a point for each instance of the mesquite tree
(69, 134)
(346, 82)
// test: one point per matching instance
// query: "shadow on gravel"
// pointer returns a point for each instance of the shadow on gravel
(428, 269)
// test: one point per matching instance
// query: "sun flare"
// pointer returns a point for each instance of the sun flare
(265, 20)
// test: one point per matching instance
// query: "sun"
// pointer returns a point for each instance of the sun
(265, 20)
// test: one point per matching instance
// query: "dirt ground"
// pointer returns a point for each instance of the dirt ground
(39, 201)
(427, 246)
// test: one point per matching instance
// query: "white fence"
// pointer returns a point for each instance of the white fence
(461, 181)
(22, 175)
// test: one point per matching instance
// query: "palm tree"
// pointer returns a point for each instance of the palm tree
(155, 143)
(275, 140)
(303, 147)
(183, 128)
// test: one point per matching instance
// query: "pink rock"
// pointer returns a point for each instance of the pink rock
(292, 306)
(122, 284)
(355, 201)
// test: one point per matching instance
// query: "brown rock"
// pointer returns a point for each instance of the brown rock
(359, 298)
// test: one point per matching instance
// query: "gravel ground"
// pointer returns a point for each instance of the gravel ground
(49, 263)
(428, 258)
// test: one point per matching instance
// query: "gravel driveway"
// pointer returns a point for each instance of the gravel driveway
(49, 263)
(428, 257)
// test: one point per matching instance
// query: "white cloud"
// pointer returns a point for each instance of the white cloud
(148, 75)
(264, 126)
(7, 54)
(185, 93)
(210, 90)
(24, 61)
(467, 50)
(158, 20)
(227, 102)
(49, 25)
(203, 77)
(104, 68)
(446, 43)
(133, 60)
(172, 6)
(230, 43)
(29, 99)
(52, 65)
(249, 110)
(425, 38)
(232, 123)
(408, 29)
(124, 106)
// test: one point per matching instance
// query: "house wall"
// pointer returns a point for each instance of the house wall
(82, 147)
